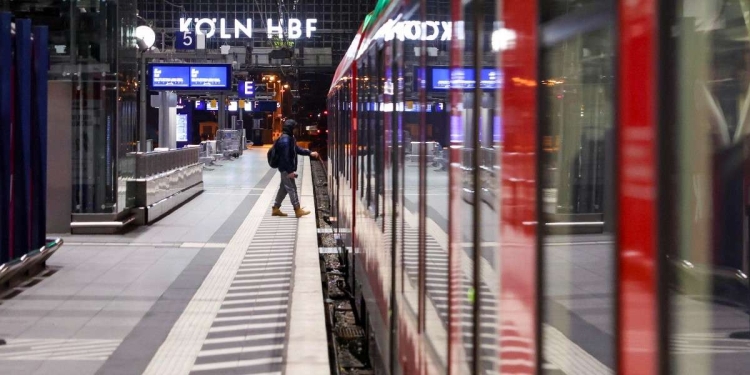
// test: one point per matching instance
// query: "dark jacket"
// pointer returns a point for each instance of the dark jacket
(287, 151)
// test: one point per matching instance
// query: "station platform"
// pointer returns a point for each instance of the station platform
(218, 286)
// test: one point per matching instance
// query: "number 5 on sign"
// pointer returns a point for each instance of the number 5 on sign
(184, 40)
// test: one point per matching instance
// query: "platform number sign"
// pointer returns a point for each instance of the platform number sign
(185, 40)
(246, 89)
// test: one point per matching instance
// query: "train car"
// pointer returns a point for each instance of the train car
(547, 186)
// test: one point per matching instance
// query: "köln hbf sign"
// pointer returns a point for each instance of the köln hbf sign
(208, 26)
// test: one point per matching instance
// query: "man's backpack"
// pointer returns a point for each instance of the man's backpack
(273, 156)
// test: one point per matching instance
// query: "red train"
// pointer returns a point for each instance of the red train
(547, 186)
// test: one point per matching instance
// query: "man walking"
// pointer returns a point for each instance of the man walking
(287, 151)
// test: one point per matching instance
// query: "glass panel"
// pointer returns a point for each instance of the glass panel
(97, 101)
(410, 123)
(556, 8)
(576, 159)
(436, 158)
(708, 187)
(127, 69)
(91, 44)
(381, 134)
(474, 79)
(487, 77)
(361, 128)
(474, 236)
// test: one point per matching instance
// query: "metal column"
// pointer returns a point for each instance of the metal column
(222, 111)
(144, 90)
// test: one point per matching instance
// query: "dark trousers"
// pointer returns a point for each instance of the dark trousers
(287, 186)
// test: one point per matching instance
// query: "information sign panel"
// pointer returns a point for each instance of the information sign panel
(266, 106)
(166, 77)
(246, 89)
(182, 126)
(443, 79)
(184, 40)
(209, 77)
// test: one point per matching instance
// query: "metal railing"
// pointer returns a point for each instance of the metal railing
(153, 163)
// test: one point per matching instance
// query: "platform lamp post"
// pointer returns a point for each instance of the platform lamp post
(145, 38)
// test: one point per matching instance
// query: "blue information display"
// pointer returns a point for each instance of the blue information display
(441, 79)
(266, 106)
(246, 89)
(190, 77)
(166, 76)
(214, 77)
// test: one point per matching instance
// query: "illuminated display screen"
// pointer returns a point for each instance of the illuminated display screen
(190, 77)
(170, 76)
(246, 89)
(440, 79)
(266, 106)
(182, 128)
(215, 77)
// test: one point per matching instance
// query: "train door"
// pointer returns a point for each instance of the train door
(475, 155)
(704, 151)
(542, 258)
(577, 265)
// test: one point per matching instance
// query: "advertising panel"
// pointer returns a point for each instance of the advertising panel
(182, 127)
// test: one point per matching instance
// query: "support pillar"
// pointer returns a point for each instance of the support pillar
(222, 111)
(142, 110)
(167, 120)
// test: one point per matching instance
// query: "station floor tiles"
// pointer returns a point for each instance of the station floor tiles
(217, 287)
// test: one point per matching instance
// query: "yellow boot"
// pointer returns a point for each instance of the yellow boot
(300, 212)
(277, 212)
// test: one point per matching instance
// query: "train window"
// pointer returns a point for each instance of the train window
(433, 138)
(707, 138)
(576, 156)
(365, 132)
(409, 124)
(348, 133)
(371, 130)
(361, 128)
(473, 155)
(553, 9)
(406, 264)
(378, 132)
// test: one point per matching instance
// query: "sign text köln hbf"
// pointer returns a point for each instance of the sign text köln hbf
(209, 27)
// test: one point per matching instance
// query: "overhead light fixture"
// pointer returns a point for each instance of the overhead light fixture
(145, 37)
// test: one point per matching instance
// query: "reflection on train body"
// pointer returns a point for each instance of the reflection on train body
(548, 186)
